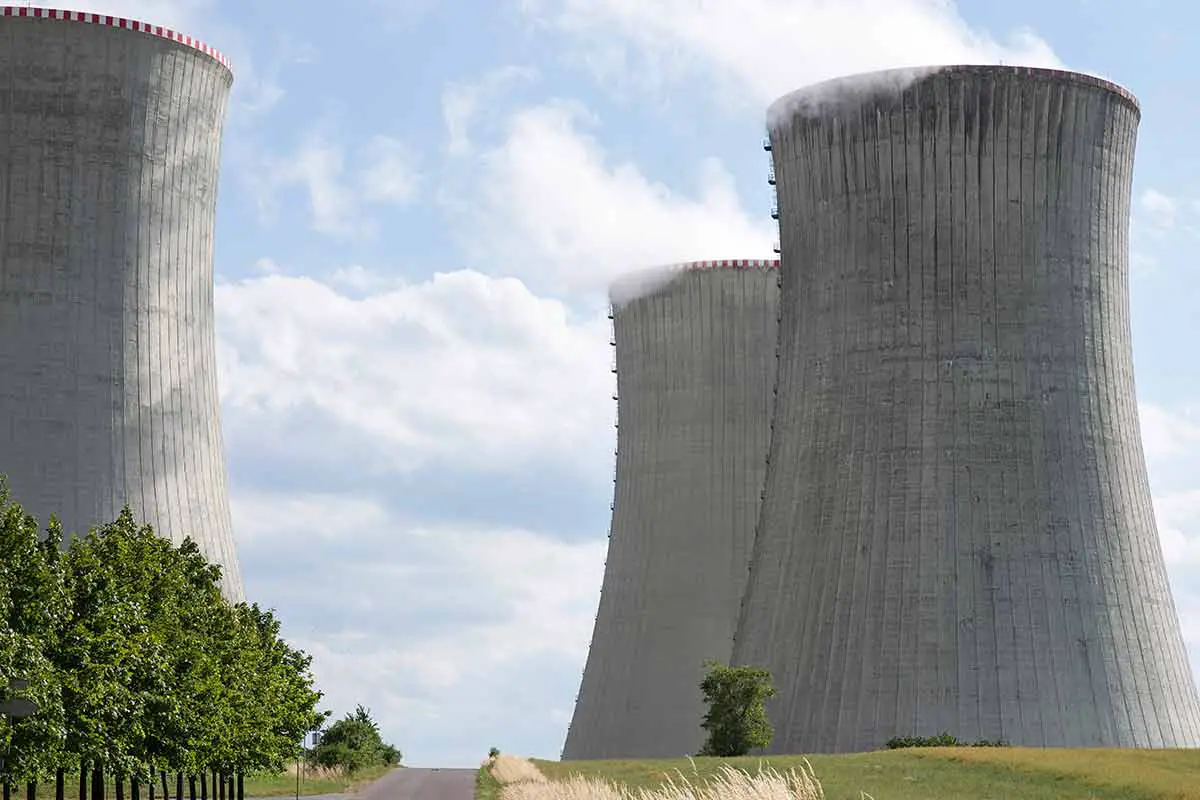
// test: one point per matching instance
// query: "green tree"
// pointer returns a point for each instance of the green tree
(736, 721)
(31, 603)
(353, 743)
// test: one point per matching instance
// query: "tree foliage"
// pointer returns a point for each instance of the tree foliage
(736, 721)
(352, 744)
(137, 662)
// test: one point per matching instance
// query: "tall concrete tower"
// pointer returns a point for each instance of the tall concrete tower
(695, 365)
(110, 139)
(957, 533)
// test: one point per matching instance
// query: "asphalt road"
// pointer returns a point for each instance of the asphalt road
(422, 784)
(410, 784)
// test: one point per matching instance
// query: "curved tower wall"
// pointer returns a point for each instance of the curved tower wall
(957, 533)
(110, 139)
(695, 364)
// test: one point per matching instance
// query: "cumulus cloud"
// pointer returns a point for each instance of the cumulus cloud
(428, 624)
(558, 211)
(761, 49)
(460, 369)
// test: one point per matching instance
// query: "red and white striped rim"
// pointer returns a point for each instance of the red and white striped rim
(731, 263)
(116, 22)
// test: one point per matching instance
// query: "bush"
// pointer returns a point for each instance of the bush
(941, 740)
(353, 744)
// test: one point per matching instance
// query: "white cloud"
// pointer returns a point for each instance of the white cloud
(761, 49)
(462, 102)
(1158, 210)
(460, 369)
(1172, 442)
(559, 212)
(431, 627)
(181, 15)
(392, 175)
(339, 196)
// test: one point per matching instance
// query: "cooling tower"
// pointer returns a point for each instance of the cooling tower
(110, 138)
(957, 532)
(695, 365)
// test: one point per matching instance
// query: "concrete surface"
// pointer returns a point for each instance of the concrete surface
(110, 144)
(957, 533)
(422, 784)
(695, 368)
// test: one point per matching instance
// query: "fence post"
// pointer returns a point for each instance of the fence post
(192, 787)
(241, 792)
(60, 784)
(83, 778)
(98, 792)
(120, 787)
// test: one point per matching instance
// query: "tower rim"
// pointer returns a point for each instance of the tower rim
(900, 78)
(121, 23)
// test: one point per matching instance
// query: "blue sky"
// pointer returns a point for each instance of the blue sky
(420, 203)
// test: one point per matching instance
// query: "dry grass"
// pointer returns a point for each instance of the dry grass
(513, 770)
(520, 779)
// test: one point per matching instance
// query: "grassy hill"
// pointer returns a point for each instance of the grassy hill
(947, 773)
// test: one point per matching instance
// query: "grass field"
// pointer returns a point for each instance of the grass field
(946, 773)
(255, 786)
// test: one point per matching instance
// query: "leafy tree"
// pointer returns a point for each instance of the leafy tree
(31, 602)
(139, 664)
(736, 720)
(352, 744)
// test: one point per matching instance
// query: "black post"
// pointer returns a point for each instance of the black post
(135, 788)
(203, 784)
(83, 778)
(98, 792)
(241, 792)
(7, 790)
(178, 786)
(150, 786)
(31, 791)
(60, 784)
(120, 786)
(192, 787)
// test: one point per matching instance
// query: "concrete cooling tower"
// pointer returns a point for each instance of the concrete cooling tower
(957, 532)
(695, 365)
(110, 138)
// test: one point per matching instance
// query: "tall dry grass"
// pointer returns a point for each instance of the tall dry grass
(521, 780)
(513, 770)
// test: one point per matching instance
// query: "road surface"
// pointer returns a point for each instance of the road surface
(409, 784)
(422, 784)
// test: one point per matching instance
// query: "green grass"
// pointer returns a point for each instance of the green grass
(486, 787)
(285, 785)
(948, 773)
(255, 786)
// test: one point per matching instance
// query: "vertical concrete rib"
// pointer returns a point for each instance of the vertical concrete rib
(957, 422)
(695, 363)
(110, 141)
